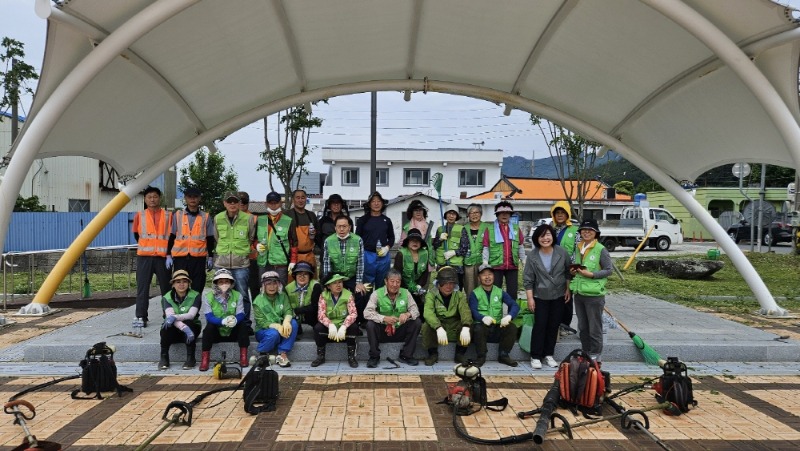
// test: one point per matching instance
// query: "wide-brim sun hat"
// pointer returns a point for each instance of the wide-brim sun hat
(180, 274)
(334, 278)
(223, 274)
(446, 274)
(458, 216)
(302, 267)
(414, 234)
(270, 275)
(589, 224)
(503, 207)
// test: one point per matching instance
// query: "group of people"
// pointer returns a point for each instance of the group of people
(265, 280)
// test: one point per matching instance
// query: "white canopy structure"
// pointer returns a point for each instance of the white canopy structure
(676, 87)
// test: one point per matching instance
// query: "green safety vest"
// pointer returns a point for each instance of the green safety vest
(294, 301)
(475, 245)
(233, 239)
(385, 306)
(428, 240)
(453, 242)
(496, 249)
(275, 254)
(569, 238)
(345, 264)
(184, 306)
(271, 310)
(216, 309)
(410, 276)
(584, 285)
(492, 306)
(336, 312)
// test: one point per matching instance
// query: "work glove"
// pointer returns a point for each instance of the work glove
(231, 321)
(449, 254)
(169, 322)
(418, 289)
(441, 336)
(261, 248)
(389, 330)
(488, 320)
(505, 321)
(209, 263)
(287, 327)
(169, 262)
(382, 251)
(465, 337)
(189, 335)
(341, 334)
(443, 236)
(290, 268)
(332, 332)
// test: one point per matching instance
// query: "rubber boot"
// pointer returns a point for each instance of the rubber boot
(163, 364)
(320, 357)
(351, 356)
(205, 360)
(190, 361)
(244, 362)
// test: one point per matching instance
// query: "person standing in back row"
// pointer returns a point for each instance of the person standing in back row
(253, 274)
(376, 229)
(305, 226)
(277, 242)
(503, 249)
(566, 236)
(151, 228)
(192, 240)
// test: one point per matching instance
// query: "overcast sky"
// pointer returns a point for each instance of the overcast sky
(427, 121)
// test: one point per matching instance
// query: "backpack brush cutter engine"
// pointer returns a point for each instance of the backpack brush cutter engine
(227, 370)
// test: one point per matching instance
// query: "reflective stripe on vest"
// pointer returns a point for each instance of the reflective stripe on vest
(492, 306)
(190, 242)
(152, 241)
(453, 243)
(496, 257)
(336, 313)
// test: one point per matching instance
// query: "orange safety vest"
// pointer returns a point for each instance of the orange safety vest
(190, 241)
(152, 242)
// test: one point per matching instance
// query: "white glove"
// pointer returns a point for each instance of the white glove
(465, 338)
(449, 254)
(341, 333)
(381, 251)
(332, 332)
(230, 321)
(441, 335)
(443, 236)
(488, 320)
(418, 289)
(260, 247)
(290, 268)
(287, 328)
(505, 321)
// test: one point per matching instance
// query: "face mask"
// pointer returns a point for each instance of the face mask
(273, 212)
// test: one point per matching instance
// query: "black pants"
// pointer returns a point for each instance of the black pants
(254, 279)
(547, 316)
(512, 284)
(196, 267)
(239, 334)
(321, 335)
(173, 335)
(566, 315)
(505, 336)
(407, 334)
(360, 299)
(145, 268)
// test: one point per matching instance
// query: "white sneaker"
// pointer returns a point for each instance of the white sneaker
(536, 364)
(282, 361)
(550, 361)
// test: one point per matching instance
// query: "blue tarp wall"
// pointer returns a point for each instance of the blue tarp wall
(42, 231)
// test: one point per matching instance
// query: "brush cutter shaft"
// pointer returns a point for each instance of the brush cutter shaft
(549, 405)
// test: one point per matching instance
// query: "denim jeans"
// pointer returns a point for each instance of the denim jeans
(241, 277)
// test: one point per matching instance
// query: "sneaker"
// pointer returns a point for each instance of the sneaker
(431, 359)
(566, 331)
(408, 360)
(550, 361)
(373, 362)
(507, 360)
(536, 364)
(283, 361)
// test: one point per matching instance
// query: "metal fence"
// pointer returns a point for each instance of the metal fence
(46, 231)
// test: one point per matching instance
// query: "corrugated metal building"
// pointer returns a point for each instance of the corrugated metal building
(44, 231)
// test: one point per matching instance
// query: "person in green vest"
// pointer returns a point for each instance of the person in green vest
(277, 240)
(503, 249)
(590, 271)
(446, 317)
(417, 216)
(224, 311)
(475, 230)
(392, 316)
(304, 292)
(489, 324)
(275, 325)
(412, 262)
(566, 237)
(451, 243)
(337, 319)
(181, 306)
(343, 253)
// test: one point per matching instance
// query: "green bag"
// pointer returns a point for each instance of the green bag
(527, 330)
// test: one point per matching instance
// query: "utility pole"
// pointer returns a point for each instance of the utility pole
(373, 149)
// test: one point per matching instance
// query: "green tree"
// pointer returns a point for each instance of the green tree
(208, 173)
(28, 204)
(624, 187)
(648, 185)
(290, 156)
(14, 76)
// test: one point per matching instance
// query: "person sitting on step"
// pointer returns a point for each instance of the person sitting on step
(489, 323)
(304, 292)
(446, 317)
(223, 308)
(275, 325)
(392, 316)
(337, 319)
(181, 307)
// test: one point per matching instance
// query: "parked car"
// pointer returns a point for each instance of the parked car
(777, 232)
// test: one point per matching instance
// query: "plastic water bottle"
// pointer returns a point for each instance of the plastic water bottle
(378, 247)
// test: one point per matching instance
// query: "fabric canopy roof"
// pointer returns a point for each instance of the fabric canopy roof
(618, 65)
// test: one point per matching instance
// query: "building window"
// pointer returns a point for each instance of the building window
(349, 176)
(382, 177)
(471, 177)
(79, 205)
(417, 177)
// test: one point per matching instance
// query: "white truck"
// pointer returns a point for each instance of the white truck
(633, 225)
